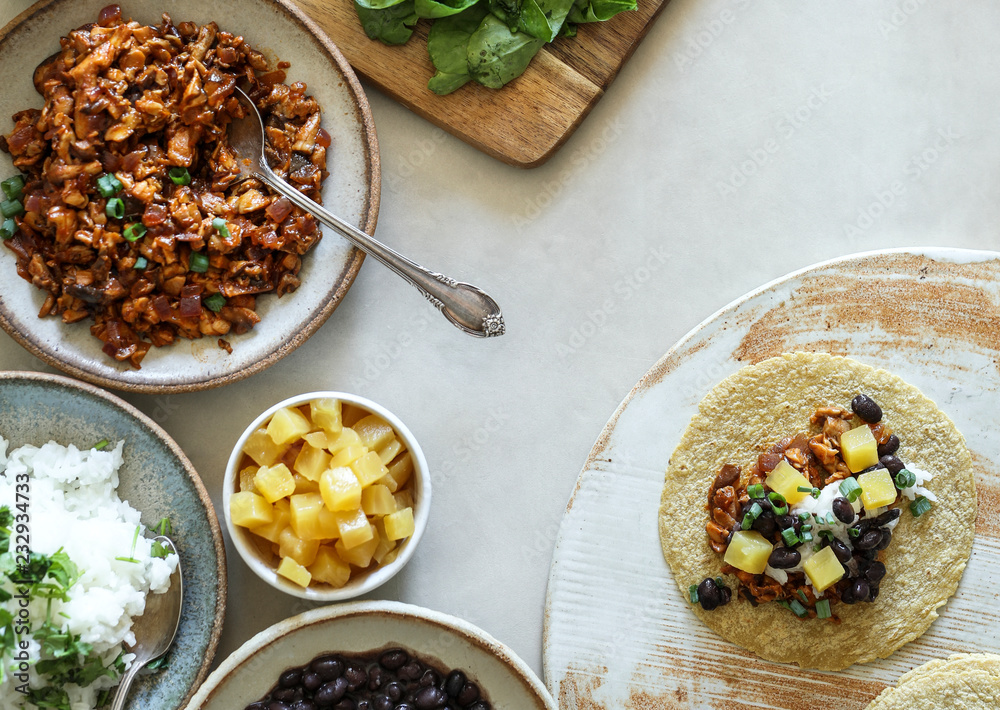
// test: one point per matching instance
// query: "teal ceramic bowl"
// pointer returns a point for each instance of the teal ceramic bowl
(158, 480)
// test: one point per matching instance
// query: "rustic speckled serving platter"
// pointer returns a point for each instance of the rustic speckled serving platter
(619, 636)
(159, 481)
(281, 31)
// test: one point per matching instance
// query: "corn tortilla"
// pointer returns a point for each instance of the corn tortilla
(760, 404)
(966, 680)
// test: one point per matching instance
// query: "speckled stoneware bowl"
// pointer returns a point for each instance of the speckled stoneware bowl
(253, 669)
(280, 30)
(157, 479)
(264, 565)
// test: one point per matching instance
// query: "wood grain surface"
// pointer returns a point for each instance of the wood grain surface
(522, 124)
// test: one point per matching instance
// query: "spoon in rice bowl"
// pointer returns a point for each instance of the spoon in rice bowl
(155, 629)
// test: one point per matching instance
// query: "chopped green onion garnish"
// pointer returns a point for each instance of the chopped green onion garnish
(783, 603)
(831, 519)
(756, 490)
(198, 263)
(134, 232)
(906, 479)
(804, 489)
(115, 208)
(778, 503)
(13, 187)
(141, 263)
(920, 506)
(789, 536)
(853, 532)
(756, 510)
(803, 597)
(108, 185)
(803, 517)
(806, 536)
(719, 583)
(220, 226)
(11, 208)
(164, 527)
(797, 608)
(8, 229)
(101, 444)
(180, 176)
(215, 302)
(747, 522)
(807, 528)
(823, 609)
(815, 492)
(828, 534)
(850, 489)
(817, 547)
(693, 591)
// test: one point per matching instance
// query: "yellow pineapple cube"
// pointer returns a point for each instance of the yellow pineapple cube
(274, 482)
(877, 488)
(399, 524)
(291, 545)
(388, 452)
(389, 482)
(385, 545)
(329, 568)
(787, 480)
(248, 509)
(246, 479)
(347, 437)
(287, 425)
(748, 551)
(360, 555)
(859, 448)
(347, 455)
(317, 439)
(305, 509)
(377, 500)
(404, 499)
(304, 485)
(282, 519)
(340, 489)
(326, 415)
(401, 469)
(291, 570)
(354, 528)
(375, 432)
(311, 461)
(350, 414)
(369, 468)
(262, 449)
(824, 569)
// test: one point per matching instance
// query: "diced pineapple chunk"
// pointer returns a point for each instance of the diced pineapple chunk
(305, 510)
(369, 468)
(346, 437)
(375, 432)
(262, 449)
(282, 519)
(274, 482)
(291, 545)
(326, 414)
(248, 509)
(859, 448)
(377, 500)
(312, 461)
(350, 414)
(294, 572)
(385, 545)
(786, 480)
(346, 455)
(340, 489)
(359, 555)
(877, 488)
(388, 452)
(748, 551)
(354, 528)
(317, 439)
(287, 425)
(389, 482)
(399, 524)
(824, 569)
(401, 469)
(246, 479)
(304, 485)
(329, 568)
(404, 499)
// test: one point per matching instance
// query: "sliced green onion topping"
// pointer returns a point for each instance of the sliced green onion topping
(796, 606)
(756, 510)
(850, 489)
(815, 492)
(13, 187)
(828, 534)
(807, 527)
(198, 263)
(853, 532)
(108, 185)
(803, 597)
(823, 609)
(920, 506)
(219, 225)
(719, 583)
(164, 527)
(778, 504)
(693, 591)
(134, 232)
(804, 489)
(803, 517)
(831, 519)
(817, 547)
(8, 229)
(756, 490)
(789, 536)
(141, 263)
(115, 208)
(100, 444)
(215, 302)
(906, 479)
(806, 536)
(11, 208)
(180, 176)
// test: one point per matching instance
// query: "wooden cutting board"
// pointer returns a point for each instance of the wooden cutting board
(525, 122)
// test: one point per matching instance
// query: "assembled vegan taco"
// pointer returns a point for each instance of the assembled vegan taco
(970, 681)
(818, 511)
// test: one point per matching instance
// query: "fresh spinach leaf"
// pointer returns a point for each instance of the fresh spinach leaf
(497, 55)
(434, 9)
(539, 18)
(448, 43)
(598, 10)
(392, 23)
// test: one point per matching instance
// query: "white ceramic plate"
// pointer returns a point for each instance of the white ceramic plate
(281, 31)
(618, 633)
(253, 669)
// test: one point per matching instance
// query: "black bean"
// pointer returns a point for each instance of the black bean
(842, 551)
(345, 704)
(888, 516)
(765, 525)
(870, 554)
(889, 447)
(847, 596)
(377, 677)
(395, 690)
(865, 407)
(454, 682)
(764, 503)
(709, 595)
(259, 705)
(885, 541)
(382, 702)
(876, 467)
(469, 694)
(311, 681)
(405, 706)
(330, 693)
(290, 678)
(893, 463)
(861, 590)
(430, 677)
(873, 592)
(429, 698)
(785, 521)
(328, 667)
(481, 705)
(394, 659)
(303, 704)
(285, 695)
(726, 595)
(869, 540)
(411, 671)
(875, 572)
(278, 705)
(843, 509)
(784, 558)
(355, 676)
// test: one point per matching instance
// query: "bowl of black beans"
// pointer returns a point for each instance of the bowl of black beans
(372, 656)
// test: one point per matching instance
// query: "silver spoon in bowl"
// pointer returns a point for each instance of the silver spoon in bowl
(155, 629)
(469, 308)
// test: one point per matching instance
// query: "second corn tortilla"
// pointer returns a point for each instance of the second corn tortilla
(760, 404)
(970, 681)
